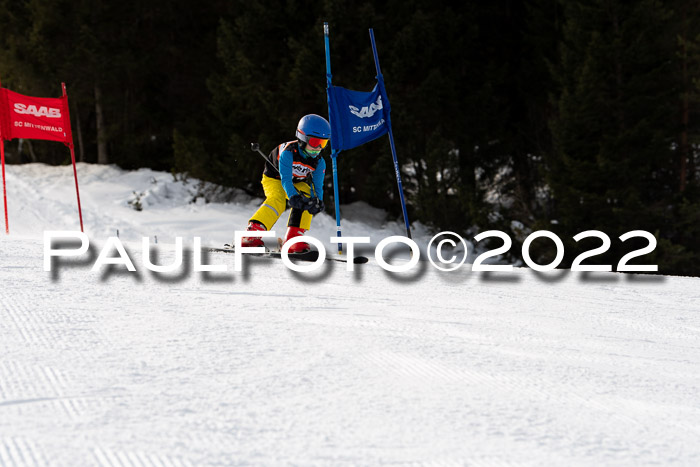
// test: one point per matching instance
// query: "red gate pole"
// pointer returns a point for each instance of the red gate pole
(77, 191)
(72, 156)
(4, 190)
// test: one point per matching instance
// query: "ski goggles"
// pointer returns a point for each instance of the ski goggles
(317, 142)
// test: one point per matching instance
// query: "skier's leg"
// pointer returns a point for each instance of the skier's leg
(299, 222)
(274, 205)
(269, 211)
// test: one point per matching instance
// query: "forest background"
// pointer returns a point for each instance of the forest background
(561, 115)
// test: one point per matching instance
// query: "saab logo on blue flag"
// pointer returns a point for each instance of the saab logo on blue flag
(367, 111)
(357, 117)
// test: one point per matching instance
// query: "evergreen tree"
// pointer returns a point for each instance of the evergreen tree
(681, 243)
(611, 169)
(268, 79)
(134, 70)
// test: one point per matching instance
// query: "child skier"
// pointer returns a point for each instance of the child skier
(294, 172)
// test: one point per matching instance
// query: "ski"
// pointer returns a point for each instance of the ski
(307, 256)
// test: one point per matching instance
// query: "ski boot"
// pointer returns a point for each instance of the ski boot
(253, 241)
(299, 247)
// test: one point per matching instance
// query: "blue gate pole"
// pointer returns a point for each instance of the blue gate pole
(334, 153)
(380, 80)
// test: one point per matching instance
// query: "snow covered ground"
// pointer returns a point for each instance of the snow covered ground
(272, 367)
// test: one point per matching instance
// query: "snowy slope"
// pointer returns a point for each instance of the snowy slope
(272, 367)
(43, 198)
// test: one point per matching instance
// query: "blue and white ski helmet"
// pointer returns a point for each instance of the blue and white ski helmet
(313, 125)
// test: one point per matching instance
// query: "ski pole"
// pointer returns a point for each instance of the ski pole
(255, 147)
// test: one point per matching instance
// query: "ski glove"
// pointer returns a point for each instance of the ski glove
(317, 206)
(300, 202)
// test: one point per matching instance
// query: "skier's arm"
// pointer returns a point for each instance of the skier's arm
(319, 175)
